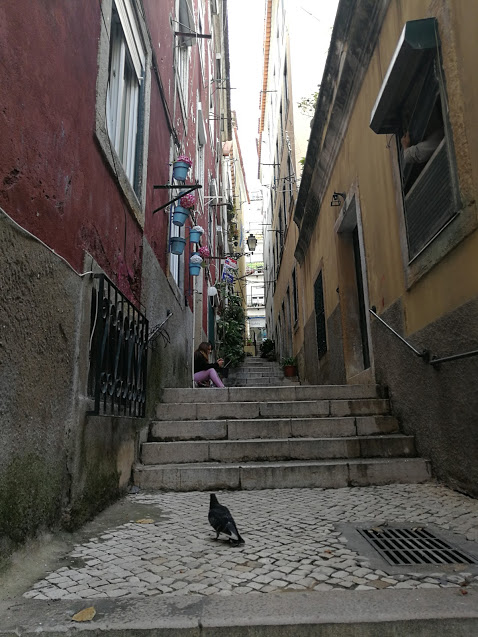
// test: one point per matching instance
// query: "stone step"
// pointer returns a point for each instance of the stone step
(247, 410)
(292, 393)
(170, 430)
(258, 382)
(326, 474)
(273, 373)
(271, 450)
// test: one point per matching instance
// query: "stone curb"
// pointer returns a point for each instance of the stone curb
(428, 613)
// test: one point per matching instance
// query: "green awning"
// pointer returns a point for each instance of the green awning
(418, 42)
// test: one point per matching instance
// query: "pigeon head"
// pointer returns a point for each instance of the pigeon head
(213, 500)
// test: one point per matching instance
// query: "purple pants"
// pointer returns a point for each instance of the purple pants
(208, 374)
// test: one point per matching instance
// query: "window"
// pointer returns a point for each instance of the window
(126, 71)
(412, 105)
(218, 77)
(123, 87)
(425, 162)
(286, 92)
(201, 144)
(175, 259)
(182, 61)
(185, 24)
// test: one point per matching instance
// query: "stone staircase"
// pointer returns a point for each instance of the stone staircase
(267, 437)
(258, 372)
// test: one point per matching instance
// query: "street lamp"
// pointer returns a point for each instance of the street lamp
(251, 242)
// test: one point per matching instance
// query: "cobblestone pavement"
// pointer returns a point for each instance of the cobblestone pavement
(292, 543)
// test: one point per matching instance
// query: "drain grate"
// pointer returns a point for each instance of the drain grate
(414, 546)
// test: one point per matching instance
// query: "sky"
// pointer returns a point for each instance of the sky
(310, 23)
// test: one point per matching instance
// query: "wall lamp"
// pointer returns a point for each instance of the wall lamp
(335, 198)
(251, 242)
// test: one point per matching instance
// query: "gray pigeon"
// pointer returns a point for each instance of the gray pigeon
(222, 521)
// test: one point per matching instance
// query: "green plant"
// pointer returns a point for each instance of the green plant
(231, 326)
(267, 347)
(307, 104)
(289, 360)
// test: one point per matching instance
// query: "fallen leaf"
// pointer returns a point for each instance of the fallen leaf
(84, 615)
(463, 592)
(145, 521)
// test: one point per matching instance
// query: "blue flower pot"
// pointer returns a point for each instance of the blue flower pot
(180, 215)
(180, 170)
(194, 269)
(177, 245)
(194, 236)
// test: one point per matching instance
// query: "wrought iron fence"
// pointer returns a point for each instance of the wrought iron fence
(118, 352)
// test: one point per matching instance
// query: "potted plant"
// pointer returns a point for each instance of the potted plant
(195, 261)
(267, 348)
(181, 167)
(184, 209)
(195, 233)
(204, 252)
(289, 365)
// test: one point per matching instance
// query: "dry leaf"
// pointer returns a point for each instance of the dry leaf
(145, 521)
(463, 592)
(84, 615)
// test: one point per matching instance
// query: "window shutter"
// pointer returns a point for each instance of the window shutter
(430, 202)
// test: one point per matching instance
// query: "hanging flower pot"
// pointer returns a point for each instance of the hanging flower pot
(180, 215)
(195, 233)
(177, 245)
(195, 261)
(181, 167)
(194, 236)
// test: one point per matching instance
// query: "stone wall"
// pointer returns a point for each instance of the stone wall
(170, 359)
(438, 405)
(57, 466)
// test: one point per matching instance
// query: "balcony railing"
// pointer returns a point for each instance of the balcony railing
(118, 352)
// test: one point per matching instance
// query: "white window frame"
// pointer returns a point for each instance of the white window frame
(127, 64)
(185, 23)
(123, 92)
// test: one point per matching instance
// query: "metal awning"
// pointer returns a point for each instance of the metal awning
(418, 42)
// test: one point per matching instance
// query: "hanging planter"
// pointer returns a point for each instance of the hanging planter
(181, 167)
(180, 215)
(195, 261)
(177, 245)
(194, 236)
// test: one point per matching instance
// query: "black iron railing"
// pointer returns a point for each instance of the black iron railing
(118, 352)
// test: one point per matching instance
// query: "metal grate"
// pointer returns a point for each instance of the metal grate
(414, 546)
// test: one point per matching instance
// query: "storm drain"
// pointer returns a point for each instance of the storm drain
(414, 546)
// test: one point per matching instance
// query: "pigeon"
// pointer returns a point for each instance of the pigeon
(222, 521)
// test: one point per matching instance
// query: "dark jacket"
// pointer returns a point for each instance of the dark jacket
(201, 363)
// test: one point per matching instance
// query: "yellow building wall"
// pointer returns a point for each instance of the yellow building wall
(367, 160)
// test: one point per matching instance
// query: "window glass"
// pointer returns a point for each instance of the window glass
(124, 92)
